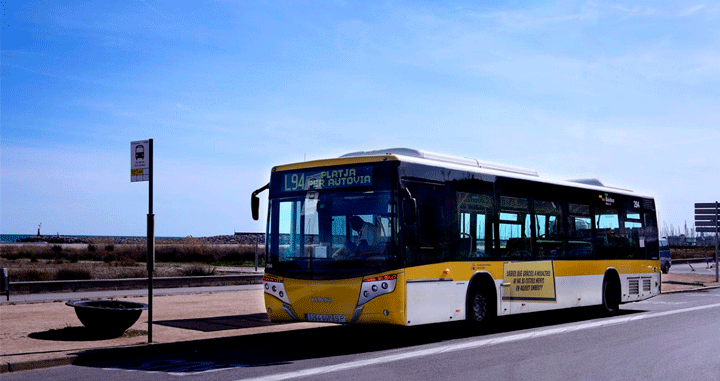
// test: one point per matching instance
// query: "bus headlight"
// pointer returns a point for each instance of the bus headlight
(275, 288)
(374, 287)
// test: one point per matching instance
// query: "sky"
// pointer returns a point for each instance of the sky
(626, 92)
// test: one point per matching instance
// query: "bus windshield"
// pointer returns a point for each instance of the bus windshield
(330, 234)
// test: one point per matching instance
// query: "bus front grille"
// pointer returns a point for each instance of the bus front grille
(647, 283)
(634, 286)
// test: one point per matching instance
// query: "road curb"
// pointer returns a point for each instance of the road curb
(19, 366)
(690, 290)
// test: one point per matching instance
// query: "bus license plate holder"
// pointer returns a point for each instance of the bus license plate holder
(325, 318)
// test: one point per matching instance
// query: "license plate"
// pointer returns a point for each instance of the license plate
(325, 318)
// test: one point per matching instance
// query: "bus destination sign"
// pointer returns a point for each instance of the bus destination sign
(328, 179)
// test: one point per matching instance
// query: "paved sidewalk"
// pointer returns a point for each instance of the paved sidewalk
(41, 334)
(35, 335)
(687, 282)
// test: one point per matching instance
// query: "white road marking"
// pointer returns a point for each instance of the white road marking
(471, 345)
(179, 368)
(651, 301)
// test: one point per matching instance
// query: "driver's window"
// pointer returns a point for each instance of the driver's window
(289, 224)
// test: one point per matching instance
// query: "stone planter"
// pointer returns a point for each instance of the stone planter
(109, 318)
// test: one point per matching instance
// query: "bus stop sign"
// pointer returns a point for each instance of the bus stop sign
(139, 160)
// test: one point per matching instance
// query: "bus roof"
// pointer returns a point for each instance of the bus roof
(431, 156)
(410, 155)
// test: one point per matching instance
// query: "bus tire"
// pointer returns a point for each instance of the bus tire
(479, 307)
(611, 295)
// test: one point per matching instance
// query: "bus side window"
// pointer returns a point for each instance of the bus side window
(631, 230)
(580, 238)
(650, 234)
(431, 245)
(483, 235)
(548, 229)
(514, 229)
(465, 241)
(609, 242)
(475, 225)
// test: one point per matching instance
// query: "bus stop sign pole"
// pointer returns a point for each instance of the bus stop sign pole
(141, 160)
(150, 243)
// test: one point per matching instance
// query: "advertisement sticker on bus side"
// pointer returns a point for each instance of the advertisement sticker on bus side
(530, 281)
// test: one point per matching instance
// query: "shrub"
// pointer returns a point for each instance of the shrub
(57, 249)
(12, 255)
(109, 247)
(94, 255)
(132, 273)
(189, 253)
(72, 274)
(30, 275)
(238, 257)
(198, 270)
(166, 254)
(125, 258)
(92, 248)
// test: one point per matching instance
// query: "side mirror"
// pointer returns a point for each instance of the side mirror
(409, 208)
(255, 206)
(255, 202)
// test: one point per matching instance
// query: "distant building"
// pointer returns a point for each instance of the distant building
(705, 241)
(681, 241)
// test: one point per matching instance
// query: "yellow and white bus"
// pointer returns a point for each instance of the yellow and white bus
(407, 237)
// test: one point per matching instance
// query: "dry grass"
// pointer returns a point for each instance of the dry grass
(692, 253)
(23, 270)
(35, 262)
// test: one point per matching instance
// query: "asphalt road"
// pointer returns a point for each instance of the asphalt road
(669, 337)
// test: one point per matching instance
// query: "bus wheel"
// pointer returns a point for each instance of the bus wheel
(610, 296)
(478, 308)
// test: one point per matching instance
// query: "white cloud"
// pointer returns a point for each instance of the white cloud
(692, 10)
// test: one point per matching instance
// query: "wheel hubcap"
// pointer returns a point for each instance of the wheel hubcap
(479, 308)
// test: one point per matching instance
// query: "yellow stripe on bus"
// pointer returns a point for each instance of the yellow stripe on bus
(463, 271)
(332, 162)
